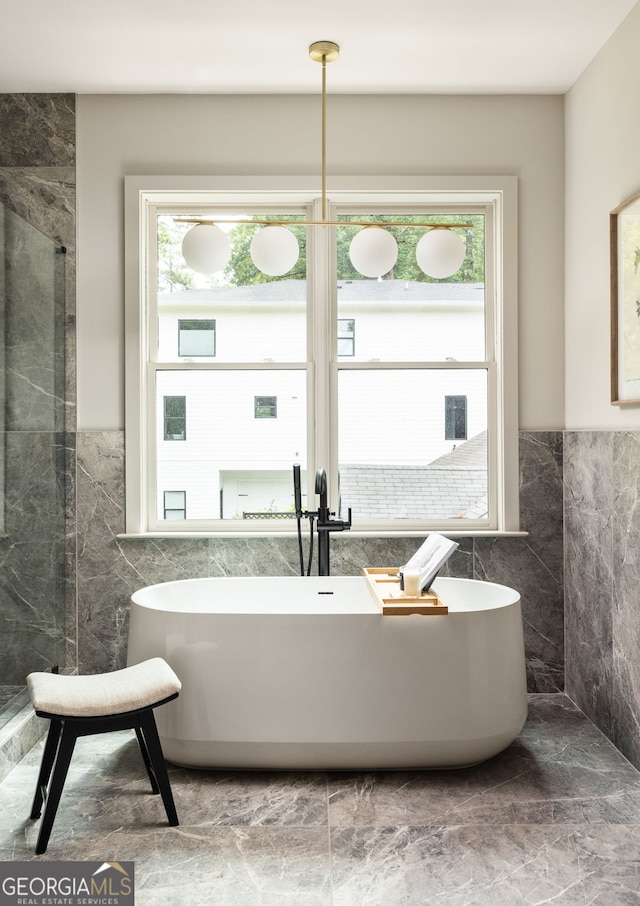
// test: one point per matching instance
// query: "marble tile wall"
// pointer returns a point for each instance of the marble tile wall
(109, 570)
(534, 565)
(37, 544)
(602, 565)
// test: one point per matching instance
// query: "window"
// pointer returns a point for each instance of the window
(175, 505)
(196, 337)
(265, 406)
(455, 418)
(371, 414)
(346, 336)
(175, 417)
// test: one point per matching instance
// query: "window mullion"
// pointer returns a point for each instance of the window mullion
(152, 444)
(323, 283)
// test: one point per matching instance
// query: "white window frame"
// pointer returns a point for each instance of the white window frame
(497, 194)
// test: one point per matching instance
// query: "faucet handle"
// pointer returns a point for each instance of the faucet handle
(342, 526)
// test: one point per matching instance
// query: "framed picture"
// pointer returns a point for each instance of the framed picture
(624, 224)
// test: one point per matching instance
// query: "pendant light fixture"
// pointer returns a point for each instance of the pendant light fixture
(440, 252)
(373, 251)
(206, 248)
(274, 249)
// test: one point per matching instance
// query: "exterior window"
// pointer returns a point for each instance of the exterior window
(175, 505)
(346, 336)
(371, 414)
(196, 337)
(455, 418)
(175, 418)
(265, 406)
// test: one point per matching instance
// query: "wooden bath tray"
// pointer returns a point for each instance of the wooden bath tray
(384, 585)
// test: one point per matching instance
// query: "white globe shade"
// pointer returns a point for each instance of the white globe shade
(274, 250)
(206, 248)
(440, 253)
(373, 252)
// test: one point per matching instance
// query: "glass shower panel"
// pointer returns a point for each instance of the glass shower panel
(32, 457)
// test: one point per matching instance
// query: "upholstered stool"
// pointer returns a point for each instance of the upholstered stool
(84, 705)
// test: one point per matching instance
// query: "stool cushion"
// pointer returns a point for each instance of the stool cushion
(103, 694)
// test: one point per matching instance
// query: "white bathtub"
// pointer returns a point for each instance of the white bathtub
(306, 673)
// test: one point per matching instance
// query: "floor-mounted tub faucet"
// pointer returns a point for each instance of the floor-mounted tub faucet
(325, 524)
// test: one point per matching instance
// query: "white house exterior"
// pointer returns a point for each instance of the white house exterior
(243, 428)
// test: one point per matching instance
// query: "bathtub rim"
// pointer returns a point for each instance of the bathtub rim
(144, 596)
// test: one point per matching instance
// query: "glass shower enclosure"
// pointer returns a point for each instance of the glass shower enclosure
(32, 457)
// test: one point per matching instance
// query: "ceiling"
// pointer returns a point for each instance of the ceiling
(261, 46)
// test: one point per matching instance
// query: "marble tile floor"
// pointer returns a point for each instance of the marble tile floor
(553, 819)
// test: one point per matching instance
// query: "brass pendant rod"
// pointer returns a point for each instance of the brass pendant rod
(324, 52)
(324, 137)
(354, 223)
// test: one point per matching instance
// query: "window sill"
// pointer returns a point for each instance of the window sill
(142, 536)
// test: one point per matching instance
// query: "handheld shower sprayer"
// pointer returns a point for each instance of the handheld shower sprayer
(297, 491)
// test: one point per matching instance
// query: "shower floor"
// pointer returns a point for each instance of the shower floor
(553, 819)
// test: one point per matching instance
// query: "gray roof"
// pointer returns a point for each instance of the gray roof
(454, 486)
(348, 291)
(469, 454)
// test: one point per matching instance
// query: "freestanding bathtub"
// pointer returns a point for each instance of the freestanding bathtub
(306, 673)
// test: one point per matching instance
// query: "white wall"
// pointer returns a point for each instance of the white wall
(602, 170)
(367, 135)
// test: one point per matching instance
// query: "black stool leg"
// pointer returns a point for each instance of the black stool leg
(147, 761)
(154, 749)
(60, 768)
(48, 757)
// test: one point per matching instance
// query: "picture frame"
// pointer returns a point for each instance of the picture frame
(624, 232)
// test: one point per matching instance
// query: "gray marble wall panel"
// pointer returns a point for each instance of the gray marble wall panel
(45, 198)
(37, 183)
(109, 570)
(33, 328)
(625, 639)
(534, 565)
(602, 564)
(588, 510)
(38, 130)
(32, 551)
(70, 553)
(349, 555)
